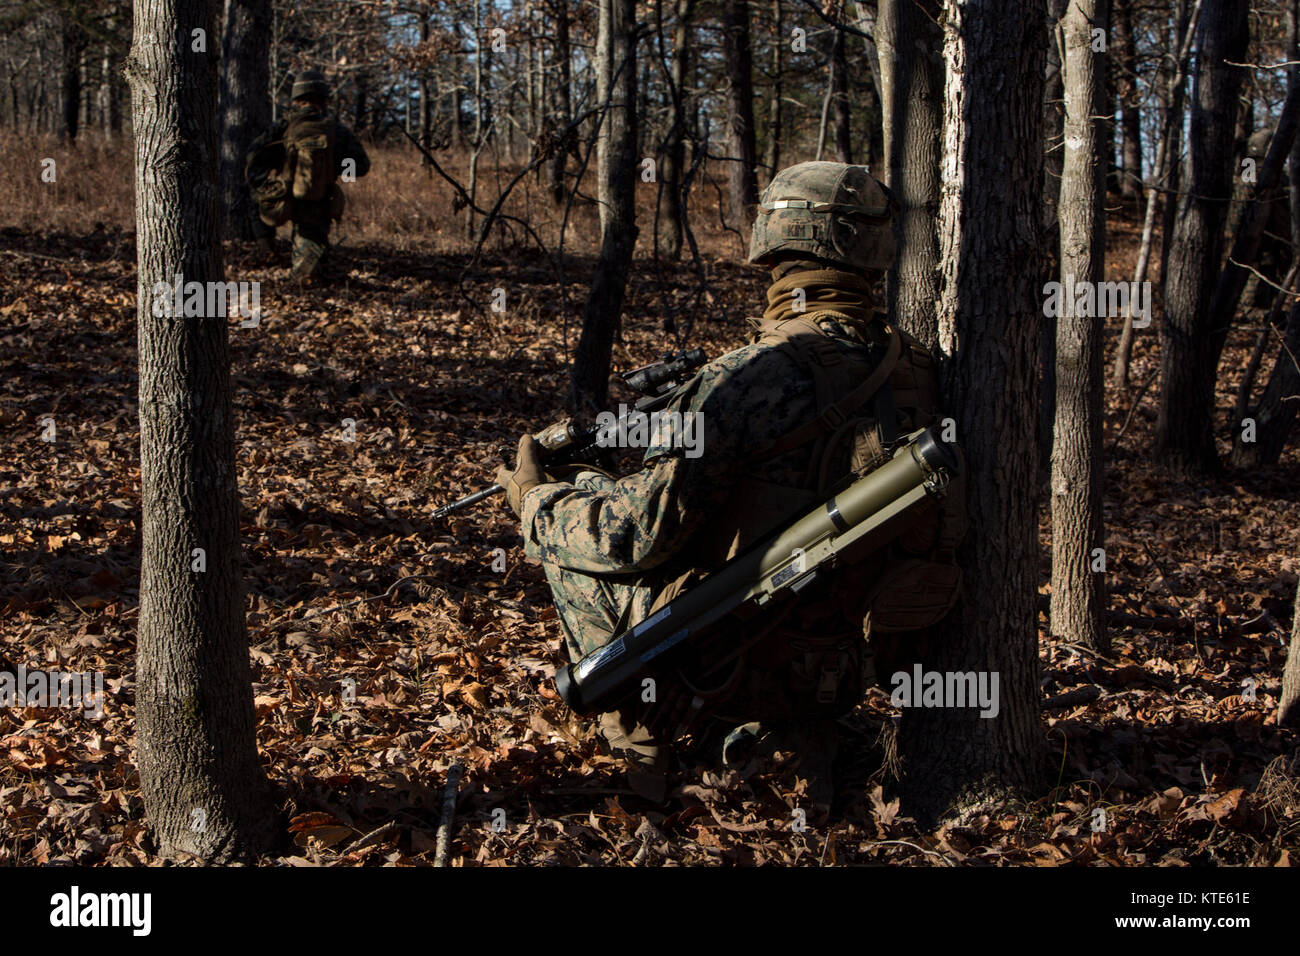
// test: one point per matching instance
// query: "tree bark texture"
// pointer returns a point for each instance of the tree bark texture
(989, 315)
(604, 307)
(245, 104)
(1078, 587)
(911, 73)
(203, 785)
(1184, 429)
(742, 180)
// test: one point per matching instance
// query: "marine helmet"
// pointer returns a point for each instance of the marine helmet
(310, 84)
(832, 211)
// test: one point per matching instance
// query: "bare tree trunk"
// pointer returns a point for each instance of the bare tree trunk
(871, 108)
(742, 181)
(245, 105)
(1293, 163)
(672, 228)
(772, 154)
(74, 45)
(1274, 416)
(1163, 177)
(1288, 707)
(426, 98)
(988, 325)
(1053, 153)
(1269, 423)
(107, 80)
(1078, 583)
(359, 107)
(1245, 244)
(1184, 429)
(471, 187)
(204, 789)
(911, 72)
(840, 100)
(1174, 179)
(563, 103)
(604, 308)
(1125, 52)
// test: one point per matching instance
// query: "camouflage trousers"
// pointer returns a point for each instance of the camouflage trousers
(594, 608)
(310, 244)
(311, 228)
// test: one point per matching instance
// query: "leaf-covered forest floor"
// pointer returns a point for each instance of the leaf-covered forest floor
(348, 579)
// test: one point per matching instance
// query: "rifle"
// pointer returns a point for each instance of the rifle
(843, 529)
(566, 442)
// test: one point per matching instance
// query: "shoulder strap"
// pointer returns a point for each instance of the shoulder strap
(835, 414)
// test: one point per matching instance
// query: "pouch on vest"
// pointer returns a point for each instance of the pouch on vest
(272, 198)
(309, 144)
(267, 183)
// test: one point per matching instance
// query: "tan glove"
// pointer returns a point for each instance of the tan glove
(527, 473)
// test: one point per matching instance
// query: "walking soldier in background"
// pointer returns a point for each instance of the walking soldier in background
(292, 170)
(825, 391)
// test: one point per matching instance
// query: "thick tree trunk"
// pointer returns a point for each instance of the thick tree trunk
(742, 180)
(245, 104)
(604, 308)
(203, 786)
(672, 226)
(1293, 161)
(1078, 583)
(911, 73)
(990, 211)
(1053, 154)
(1184, 430)
(563, 108)
(74, 46)
(1125, 52)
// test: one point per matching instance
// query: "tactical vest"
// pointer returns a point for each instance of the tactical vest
(813, 658)
(309, 155)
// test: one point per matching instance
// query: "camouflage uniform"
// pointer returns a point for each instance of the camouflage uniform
(615, 549)
(609, 546)
(311, 219)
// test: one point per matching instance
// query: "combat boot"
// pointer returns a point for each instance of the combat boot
(651, 760)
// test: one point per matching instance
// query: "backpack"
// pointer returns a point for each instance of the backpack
(267, 184)
(309, 155)
(812, 657)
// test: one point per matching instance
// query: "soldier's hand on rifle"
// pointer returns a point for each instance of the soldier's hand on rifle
(527, 472)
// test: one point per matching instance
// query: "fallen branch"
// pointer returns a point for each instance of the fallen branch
(1073, 698)
(371, 838)
(448, 814)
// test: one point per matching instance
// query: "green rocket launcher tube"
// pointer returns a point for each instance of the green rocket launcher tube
(852, 523)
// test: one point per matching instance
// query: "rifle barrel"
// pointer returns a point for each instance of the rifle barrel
(468, 500)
